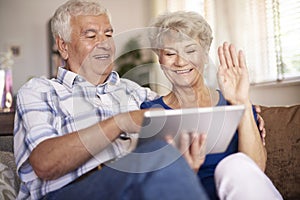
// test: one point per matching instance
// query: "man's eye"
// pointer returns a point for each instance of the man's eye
(91, 35)
(109, 33)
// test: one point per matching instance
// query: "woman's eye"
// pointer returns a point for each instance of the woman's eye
(170, 54)
(191, 51)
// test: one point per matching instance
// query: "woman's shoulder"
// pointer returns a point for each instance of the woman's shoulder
(221, 101)
(156, 103)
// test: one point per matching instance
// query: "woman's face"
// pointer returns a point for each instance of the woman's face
(182, 61)
(91, 50)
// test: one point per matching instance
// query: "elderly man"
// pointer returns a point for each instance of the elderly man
(67, 127)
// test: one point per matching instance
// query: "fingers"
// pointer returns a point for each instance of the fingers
(229, 57)
(263, 134)
(185, 142)
(222, 59)
(233, 55)
(257, 108)
(227, 54)
(242, 60)
(193, 148)
(198, 145)
(261, 125)
(169, 139)
(195, 144)
(261, 122)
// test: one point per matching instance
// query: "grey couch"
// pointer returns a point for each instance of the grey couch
(9, 181)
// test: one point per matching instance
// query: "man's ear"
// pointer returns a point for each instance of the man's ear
(62, 47)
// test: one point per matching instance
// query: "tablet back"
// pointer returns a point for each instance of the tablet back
(219, 123)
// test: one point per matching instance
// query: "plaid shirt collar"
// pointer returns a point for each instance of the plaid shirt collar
(71, 79)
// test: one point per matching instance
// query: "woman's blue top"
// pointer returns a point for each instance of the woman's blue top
(207, 170)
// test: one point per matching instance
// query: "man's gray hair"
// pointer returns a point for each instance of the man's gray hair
(60, 22)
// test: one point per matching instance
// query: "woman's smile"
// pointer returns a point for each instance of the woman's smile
(183, 71)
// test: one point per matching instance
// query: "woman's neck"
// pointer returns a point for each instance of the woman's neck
(200, 96)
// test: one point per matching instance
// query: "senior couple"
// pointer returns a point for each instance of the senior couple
(75, 134)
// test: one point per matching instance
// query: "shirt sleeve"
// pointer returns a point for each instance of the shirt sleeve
(34, 120)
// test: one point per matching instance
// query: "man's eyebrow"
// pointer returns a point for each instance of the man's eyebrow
(88, 30)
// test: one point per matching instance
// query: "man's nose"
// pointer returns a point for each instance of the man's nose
(104, 42)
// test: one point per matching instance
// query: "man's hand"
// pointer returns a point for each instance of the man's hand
(130, 122)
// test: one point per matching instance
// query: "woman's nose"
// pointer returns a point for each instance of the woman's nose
(180, 61)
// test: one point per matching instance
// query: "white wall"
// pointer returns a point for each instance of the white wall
(24, 23)
(276, 94)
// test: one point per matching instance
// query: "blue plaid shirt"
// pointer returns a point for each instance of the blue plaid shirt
(50, 108)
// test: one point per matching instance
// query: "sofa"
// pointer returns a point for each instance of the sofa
(283, 147)
(282, 143)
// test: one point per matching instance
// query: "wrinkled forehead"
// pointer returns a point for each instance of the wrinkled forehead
(171, 37)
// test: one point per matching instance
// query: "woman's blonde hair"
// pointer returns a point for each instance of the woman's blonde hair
(190, 24)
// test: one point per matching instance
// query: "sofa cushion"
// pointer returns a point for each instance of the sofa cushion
(283, 146)
(8, 175)
(7, 183)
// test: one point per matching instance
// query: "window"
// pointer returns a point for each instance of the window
(189, 5)
(268, 31)
(283, 18)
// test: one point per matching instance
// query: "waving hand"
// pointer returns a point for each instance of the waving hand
(233, 75)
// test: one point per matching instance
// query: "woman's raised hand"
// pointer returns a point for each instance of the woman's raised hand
(232, 75)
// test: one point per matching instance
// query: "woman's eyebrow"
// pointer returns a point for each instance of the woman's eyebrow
(168, 48)
(193, 44)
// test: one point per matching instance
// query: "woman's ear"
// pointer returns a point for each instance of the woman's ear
(62, 47)
(206, 55)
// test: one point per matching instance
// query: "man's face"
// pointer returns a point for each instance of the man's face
(91, 49)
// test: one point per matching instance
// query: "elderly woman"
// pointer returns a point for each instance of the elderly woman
(182, 41)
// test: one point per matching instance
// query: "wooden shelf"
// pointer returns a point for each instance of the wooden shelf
(7, 123)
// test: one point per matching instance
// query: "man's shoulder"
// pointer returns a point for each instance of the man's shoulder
(37, 85)
(130, 83)
(135, 89)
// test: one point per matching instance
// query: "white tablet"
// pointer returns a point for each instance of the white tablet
(219, 123)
